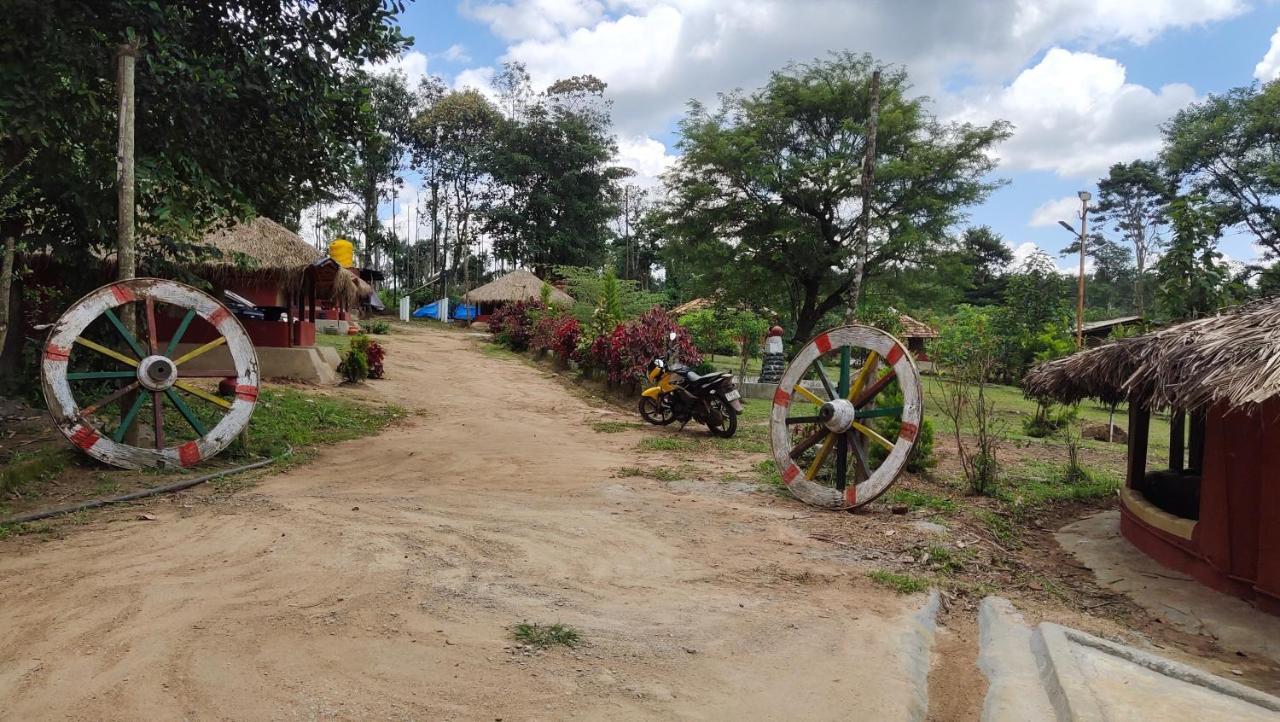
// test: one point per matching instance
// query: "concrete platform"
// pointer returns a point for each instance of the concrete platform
(312, 364)
(1170, 596)
(1052, 672)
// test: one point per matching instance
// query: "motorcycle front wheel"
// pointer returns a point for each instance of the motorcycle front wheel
(656, 411)
(723, 420)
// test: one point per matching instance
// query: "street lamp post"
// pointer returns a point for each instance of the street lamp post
(1084, 197)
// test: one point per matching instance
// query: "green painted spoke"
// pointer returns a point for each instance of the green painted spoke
(128, 337)
(872, 413)
(826, 382)
(186, 411)
(85, 375)
(177, 335)
(127, 421)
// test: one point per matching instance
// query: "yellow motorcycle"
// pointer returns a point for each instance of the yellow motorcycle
(679, 394)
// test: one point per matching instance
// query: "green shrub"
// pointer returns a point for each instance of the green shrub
(354, 366)
(378, 326)
(1048, 419)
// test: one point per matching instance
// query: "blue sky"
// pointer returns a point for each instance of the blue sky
(1086, 82)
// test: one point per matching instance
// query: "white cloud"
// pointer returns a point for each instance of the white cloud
(646, 156)
(657, 54)
(1074, 114)
(412, 64)
(1268, 68)
(1050, 212)
(1021, 253)
(455, 53)
(525, 19)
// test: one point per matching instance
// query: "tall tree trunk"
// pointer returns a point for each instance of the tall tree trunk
(868, 181)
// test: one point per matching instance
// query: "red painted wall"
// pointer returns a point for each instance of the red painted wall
(262, 333)
(1236, 544)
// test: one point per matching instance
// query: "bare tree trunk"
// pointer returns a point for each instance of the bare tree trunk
(126, 250)
(868, 180)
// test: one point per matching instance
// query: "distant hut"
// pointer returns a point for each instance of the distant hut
(290, 287)
(916, 334)
(693, 306)
(1214, 512)
(519, 285)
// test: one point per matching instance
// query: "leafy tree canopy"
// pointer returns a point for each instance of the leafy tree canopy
(765, 199)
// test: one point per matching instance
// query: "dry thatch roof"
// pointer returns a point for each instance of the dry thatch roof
(693, 306)
(519, 285)
(1231, 358)
(911, 328)
(256, 248)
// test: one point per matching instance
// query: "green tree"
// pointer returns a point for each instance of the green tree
(765, 199)
(243, 107)
(1191, 274)
(554, 180)
(983, 257)
(382, 142)
(1227, 151)
(1133, 199)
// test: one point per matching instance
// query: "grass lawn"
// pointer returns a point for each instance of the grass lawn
(342, 343)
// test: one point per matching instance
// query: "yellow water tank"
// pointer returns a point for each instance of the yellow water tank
(343, 252)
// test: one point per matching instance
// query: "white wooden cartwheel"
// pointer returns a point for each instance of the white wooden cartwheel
(822, 439)
(115, 366)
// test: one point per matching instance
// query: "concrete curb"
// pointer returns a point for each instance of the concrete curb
(1006, 659)
(918, 645)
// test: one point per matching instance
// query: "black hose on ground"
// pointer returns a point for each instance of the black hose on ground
(140, 494)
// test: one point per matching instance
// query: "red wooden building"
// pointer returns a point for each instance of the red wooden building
(1211, 509)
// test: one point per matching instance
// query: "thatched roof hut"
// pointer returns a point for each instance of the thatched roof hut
(259, 247)
(519, 285)
(1232, 358)
(1214, 510)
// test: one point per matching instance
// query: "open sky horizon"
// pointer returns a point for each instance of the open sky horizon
(1086, 83)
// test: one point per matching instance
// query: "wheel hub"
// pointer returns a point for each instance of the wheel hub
(837, 415)
(157, 373)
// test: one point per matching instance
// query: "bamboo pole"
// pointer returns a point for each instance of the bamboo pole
(126, 248)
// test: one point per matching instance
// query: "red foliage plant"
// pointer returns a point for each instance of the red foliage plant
(512, 324)
(633, 344)
(565, 338)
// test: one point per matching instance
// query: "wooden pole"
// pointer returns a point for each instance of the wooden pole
(126, 252)
(1084, 216)
(868, 182)
(126, 248)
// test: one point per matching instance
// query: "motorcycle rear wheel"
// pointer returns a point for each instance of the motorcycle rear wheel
(655, 411)
(728, 419)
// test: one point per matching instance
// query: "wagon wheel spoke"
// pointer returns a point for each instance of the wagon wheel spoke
(127, 420)
(202, 394)
(124, 333)
(800, 389)
(873, 435)
(200, 351)
(108, 352)
(873, 359)
(210, 374)
(177, 335)
(87, 375)
(153, 334)
(185, 411)
(808, 442)
(874, 389)
(157, 416)
(821, 456)
(91, 408)
(794, 420)
(860, 454)
(822, 376)
(842, 461)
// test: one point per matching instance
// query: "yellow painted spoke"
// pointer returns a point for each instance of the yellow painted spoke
(872, 359)
(820, 457)
(106, 351)
(203, 349)
(809, 395)
(197, 391)
(870, 434)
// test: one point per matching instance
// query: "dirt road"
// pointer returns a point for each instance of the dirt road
(382, 579)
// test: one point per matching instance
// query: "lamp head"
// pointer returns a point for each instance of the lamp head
(1084, 196)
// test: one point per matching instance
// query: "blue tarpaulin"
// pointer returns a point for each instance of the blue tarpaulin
(460, 312)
